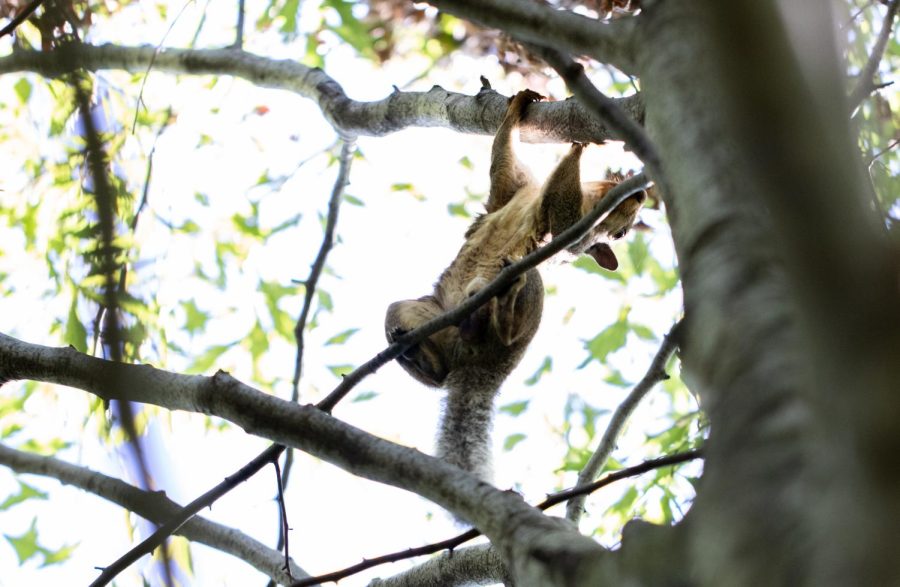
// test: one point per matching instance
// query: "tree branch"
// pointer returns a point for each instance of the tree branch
(522, 534)
(609, 42)
(153, 506)
(866, 84)
(656, 372)
(557, 122)
(552, 500)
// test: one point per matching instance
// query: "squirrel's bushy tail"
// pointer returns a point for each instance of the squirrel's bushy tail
(464, 438)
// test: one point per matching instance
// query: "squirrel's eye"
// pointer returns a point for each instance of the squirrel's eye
(620, 234)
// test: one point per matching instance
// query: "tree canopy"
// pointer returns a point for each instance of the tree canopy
(208, 208)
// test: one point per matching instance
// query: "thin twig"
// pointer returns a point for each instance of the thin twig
(456, 541)
(269, 455)
(613, 198)
(604, 108)
(282, 510)
(334, 206)
(20, 18)
(656, 372)
(866, 84)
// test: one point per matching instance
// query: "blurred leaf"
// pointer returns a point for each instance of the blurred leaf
(638, 251)
(205, 361)
(23, 89)
(616, 378)
(515, 408)
(458, 210)
(195, 319)
(75, 333)
(610, 339)
(353, 200)
(351, 30)
(364, 396)
(325, 299)
(642, 332)
(587, 263)
(545, 367)
(26, 545)
(342, 337)
(25, 493)
(512, 440)
(340, 370)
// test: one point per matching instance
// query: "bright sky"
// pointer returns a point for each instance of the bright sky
(393, 247)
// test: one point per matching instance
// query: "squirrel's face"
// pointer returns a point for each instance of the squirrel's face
(612, 228)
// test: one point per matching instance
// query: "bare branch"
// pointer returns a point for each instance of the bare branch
(153, 506)
(866, 84)
(533, 22)
(576, 492)
(605, 109)
(334, 206)
(504, 518)
(20, 18)
(547, 122)
(656, 372)
(182, 516)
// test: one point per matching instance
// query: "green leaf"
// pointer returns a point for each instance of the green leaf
(209, 357)
(512, 440)
(26, 545)
(258, 341)
(610, 339)
(587, 263)
(545, 367)
(195, 319)
(342, 337)
(325, 300)
(643, 332)
(75, 333)
(23, 89)
(458, 210)
(25, 493)
(466, 162)
(340, 370)
(616, 378)
(638, 251)
(364, 396)
(353, 200)
(515, 408)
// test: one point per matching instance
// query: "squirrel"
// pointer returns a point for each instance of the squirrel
(472, 360)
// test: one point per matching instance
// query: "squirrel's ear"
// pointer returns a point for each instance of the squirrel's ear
(604, 256)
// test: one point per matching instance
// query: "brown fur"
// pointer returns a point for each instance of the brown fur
(472, 359)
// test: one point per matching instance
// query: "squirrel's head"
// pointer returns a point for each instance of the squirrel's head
(613, 227)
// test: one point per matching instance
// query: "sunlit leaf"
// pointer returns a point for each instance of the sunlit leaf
(364, 396)
(515, 408)
(342, 337)
(587, 263)
(25, 493)
(512, 440)
(75, 333)
(208, 358)
(610, 339)
(340, 370)
(545, 367)
(23, 89)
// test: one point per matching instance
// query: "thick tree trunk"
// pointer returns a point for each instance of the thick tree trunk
(764, 198)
